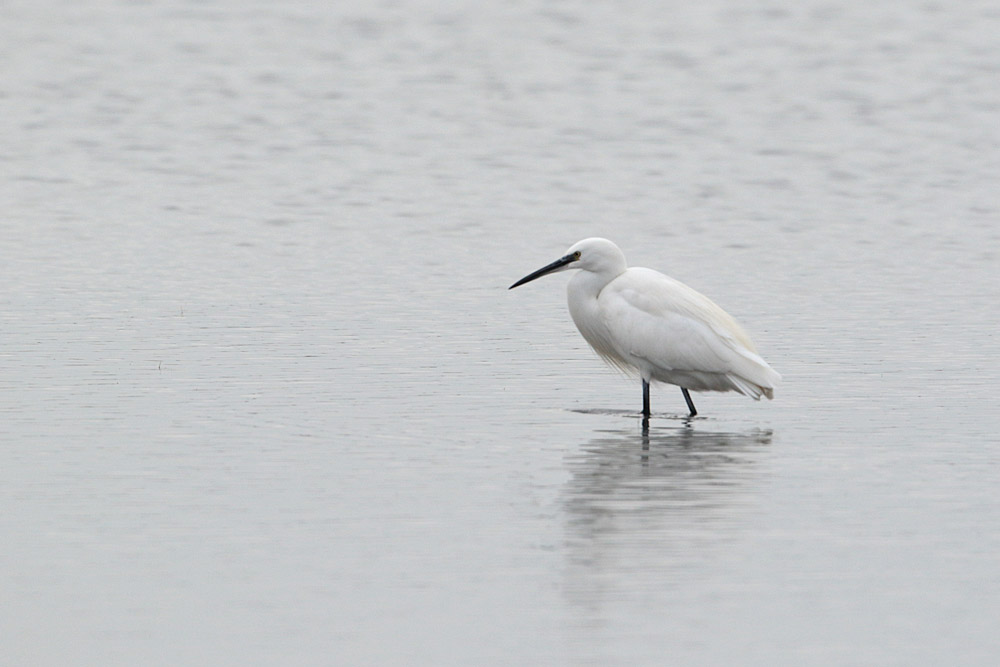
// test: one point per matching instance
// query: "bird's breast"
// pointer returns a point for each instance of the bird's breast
(585, 309)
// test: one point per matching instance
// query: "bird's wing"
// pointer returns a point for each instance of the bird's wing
(672, 326)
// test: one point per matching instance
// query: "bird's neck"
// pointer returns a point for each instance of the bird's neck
(589, 284)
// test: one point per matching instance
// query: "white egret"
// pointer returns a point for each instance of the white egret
(650, 325)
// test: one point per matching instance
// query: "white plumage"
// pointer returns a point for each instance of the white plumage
(650, 325)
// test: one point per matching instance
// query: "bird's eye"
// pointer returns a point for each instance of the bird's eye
(576, 255)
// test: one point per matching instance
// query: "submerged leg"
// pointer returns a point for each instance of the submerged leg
(687, 397)
(645, 399)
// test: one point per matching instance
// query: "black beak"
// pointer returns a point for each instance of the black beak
(562, 261)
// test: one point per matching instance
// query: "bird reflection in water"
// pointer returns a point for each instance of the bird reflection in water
(659, 487)
(649, 511)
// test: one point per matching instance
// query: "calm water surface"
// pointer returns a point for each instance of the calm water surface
(265, 399)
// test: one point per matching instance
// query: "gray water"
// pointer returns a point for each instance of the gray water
(265, 398)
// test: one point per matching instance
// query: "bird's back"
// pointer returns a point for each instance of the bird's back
(673, 333)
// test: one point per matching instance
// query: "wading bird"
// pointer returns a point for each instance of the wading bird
(650, 325)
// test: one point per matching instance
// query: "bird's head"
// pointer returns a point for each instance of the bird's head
(594, 254)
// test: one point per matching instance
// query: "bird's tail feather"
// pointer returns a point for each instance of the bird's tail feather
(747, 388)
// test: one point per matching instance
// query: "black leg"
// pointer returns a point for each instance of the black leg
(687, 397)
(645, 411)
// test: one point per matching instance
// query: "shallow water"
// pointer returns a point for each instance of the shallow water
(266, 399)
